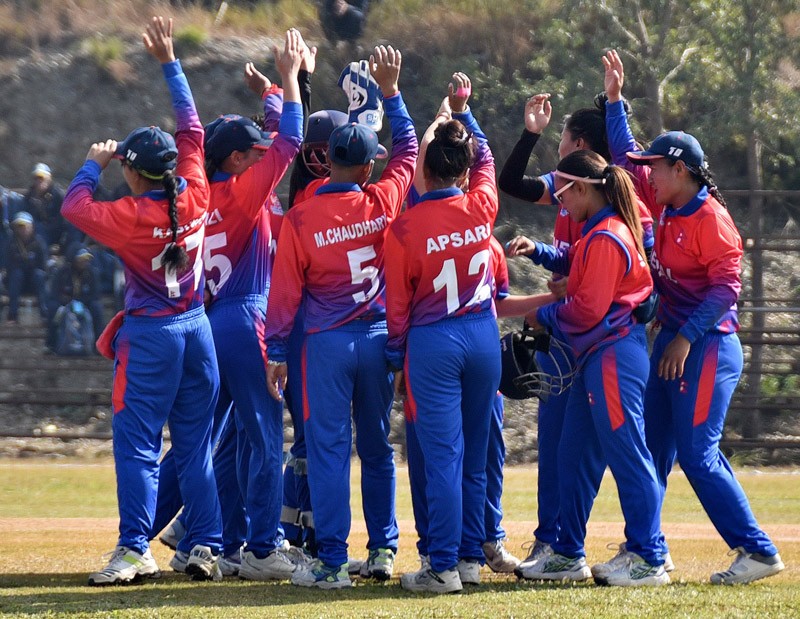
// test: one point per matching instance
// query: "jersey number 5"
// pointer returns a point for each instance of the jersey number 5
(360, 273)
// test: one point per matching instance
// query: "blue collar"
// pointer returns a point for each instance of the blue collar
(603, 213)
(440, 194)
(690, 207)
(220, 177)
(160, 194)
(337, 188)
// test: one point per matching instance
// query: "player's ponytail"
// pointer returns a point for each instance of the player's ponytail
(451, 152)
(610, 180)
(621, 194)
(175, 258)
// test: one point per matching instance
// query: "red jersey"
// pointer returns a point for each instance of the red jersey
(330, 252)
(438, 254)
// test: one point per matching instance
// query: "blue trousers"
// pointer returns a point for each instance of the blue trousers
(550, 422)
(165, 371)
(495, 458)
(238, 327)
(297, 516)
(685, 417)
(345, 374)
(170, 501)
(452, 371)
(604, 423)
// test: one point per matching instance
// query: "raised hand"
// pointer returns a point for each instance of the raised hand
(289, 59)
(384, 66)
(538, 112)
(458, 92)
(309, 63)
(157, 39)
(255, 80)
(614, 76)
(102, 152)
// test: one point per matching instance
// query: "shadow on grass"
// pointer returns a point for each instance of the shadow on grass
(33, 594)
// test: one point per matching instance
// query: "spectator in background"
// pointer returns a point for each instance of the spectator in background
(43, 201)
(76, 280)
(26, 261)
(343, 20)
(11, 203)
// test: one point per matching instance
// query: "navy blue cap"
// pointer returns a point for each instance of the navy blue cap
(354, 144)
(672, 145)
(150, 151)
(321, 124)
(233, 132)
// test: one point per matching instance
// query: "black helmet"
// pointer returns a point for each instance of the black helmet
(521, 376)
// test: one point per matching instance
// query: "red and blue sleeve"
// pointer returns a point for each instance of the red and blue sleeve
(621, 142)
(719, 249)
(604, 265)
(273, 102)
(482, 173)
(399, 292)
(189, 132)
(265, 175)
(399, 172)
(500, 267)
(286, 291)
(110, 223)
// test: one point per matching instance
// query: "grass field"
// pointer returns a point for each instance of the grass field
(57, 520)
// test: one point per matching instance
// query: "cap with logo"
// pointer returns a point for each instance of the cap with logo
(354, 144)
(151, 151)
(675, 145)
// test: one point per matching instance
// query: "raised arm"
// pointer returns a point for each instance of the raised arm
(512, 179)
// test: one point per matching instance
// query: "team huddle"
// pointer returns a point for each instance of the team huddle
(365, 292)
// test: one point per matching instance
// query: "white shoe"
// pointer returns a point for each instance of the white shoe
(299, 556)
(554, 566)
(179, 561)
(498, 558)
(322, 576)
(203, 564)
(125, 566)
(630, 570)
(424, 562)
(275, 566)
(469, 572)
(172, 534)
(538, 550)
(747, 567)
(669, 566)
(602, 570)
(230, 564)
(428, 581)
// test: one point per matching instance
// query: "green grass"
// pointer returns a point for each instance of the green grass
(45, 556)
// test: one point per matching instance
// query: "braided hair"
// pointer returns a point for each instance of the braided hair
(452, 151)
(704, 177)
(616, 187)
(175, 258)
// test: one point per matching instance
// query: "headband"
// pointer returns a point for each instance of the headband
(582, 179)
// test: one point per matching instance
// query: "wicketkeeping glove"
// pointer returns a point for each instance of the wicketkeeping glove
(363, 93)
